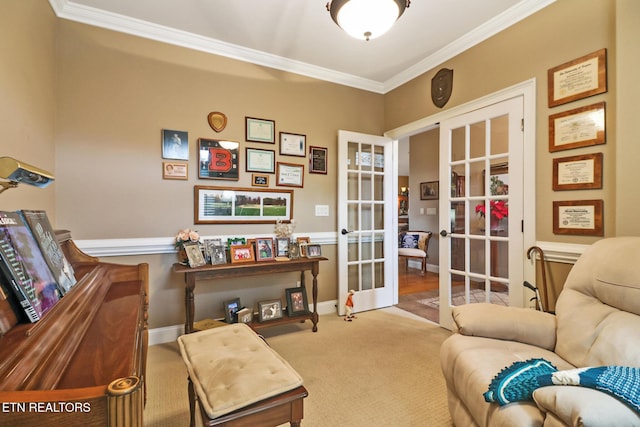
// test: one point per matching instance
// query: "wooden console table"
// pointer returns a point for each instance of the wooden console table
(192, 275)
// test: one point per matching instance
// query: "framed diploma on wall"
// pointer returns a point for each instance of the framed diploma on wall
(580, 127)
(578, 172)
(578, 79)
(580, 217)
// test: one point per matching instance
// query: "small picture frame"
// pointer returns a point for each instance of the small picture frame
(293, 144)
(241, 253)
(294, 250)
(175, 144)
(297, 303)
(175, 170)
(259, 180)
(264, 249)
(236, 241)
(259, 160)
(231, 309)
(217, 253)
(194, 254)
(282, 247)
(318, 160)
(269, 310)
(314, 251)
(245, 315)
(290, 175)
(260, 130)
(430, 190)
(302, 243)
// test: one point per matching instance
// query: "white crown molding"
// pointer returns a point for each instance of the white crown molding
(472, 38)
(100, 18)
(124, 24)
(165, 245)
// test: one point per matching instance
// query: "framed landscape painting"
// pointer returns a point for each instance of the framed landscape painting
(224, 205)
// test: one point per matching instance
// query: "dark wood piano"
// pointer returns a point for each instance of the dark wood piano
(83, 363)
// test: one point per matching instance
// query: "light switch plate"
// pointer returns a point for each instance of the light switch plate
(322, 210)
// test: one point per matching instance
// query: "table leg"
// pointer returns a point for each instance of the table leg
(189, 303)
(314, 272)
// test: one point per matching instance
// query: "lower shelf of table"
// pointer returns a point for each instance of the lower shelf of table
(285, 319)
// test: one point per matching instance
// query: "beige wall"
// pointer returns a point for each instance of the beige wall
(89, 104)
(27, 89)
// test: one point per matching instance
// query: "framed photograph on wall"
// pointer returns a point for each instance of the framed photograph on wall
(218, 159)
(318, 160)
(175, 144)
(293, 144)
(578, 172)
(578, 79)
(297, 303)
(578, 217)
(430, 190)
(580, 127)
(269, 310)
(260, 130)
(226, 205)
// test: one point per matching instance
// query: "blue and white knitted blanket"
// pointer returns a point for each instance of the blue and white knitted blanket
(517, 382)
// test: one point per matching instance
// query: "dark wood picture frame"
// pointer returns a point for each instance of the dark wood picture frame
(579, 127)
(226, 205)
(289, 174)
(579, 217)
(318, 160)
(297, 303)
(430, 190)
(231, 308)
(260, 130)
(582, 172)
(265, 250)
(259, 180)
(226, 155)
(260, 160)
(293, 144)
(583, 77)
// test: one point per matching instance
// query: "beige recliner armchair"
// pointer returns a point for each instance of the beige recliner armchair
(597, 323)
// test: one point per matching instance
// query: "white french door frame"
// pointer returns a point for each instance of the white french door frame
(527, 90)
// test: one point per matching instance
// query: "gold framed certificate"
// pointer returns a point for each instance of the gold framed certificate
(578, 79)
(580, 217)
(580, 127)
(578, 172)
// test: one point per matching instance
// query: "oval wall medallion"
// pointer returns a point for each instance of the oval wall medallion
(217, 121)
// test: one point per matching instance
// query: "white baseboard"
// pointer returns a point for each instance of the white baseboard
(171, 333)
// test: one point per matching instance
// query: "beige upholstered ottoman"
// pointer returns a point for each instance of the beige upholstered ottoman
(239, 380)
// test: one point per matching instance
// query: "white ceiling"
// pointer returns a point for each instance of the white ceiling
(299, 35)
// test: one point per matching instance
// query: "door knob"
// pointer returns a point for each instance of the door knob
(344, 231)
(444, 233)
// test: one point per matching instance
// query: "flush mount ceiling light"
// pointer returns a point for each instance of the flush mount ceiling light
(366, 19)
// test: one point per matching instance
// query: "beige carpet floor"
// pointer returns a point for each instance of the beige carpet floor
(382, 369)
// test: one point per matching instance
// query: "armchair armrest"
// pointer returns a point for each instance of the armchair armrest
(506, 323)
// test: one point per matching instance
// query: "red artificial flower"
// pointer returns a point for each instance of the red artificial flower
(499, 209)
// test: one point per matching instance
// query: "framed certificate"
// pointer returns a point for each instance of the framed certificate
(577, 79)
(580, 217)
(318, 160)
(260, 130)
(580, 127)
(293, 144)
(578, 172)
(290, 175)
(259, 160)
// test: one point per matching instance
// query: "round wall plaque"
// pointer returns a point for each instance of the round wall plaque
(217, 121)
(441, 87)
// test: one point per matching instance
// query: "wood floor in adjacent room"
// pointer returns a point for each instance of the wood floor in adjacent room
(414, 288)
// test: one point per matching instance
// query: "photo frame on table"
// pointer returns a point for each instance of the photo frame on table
(297, 303)
(231, 309)
(289, 175)
(259, 180)
(578, 172)
(578, 217)
(175, 170)
(260, 130)
(293, 144)
(430, 190)
(194, 254)
(282, 247)
(218, 159)
(226, 205)
(294, 250)
(579, 127)
(259, 160)
(314, 251)
(245, 315)
(175, 144)
(264, 249)
(583, 77)
(318, 160)
(302, 244)
(215, 251)
(269, 310)
(241, 253)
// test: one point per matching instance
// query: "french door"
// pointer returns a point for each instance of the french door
(367, 247)
(481, 207)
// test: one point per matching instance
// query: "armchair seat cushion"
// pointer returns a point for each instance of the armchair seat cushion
(416, 253)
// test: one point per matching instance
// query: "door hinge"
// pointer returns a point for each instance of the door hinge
(522, 124)
(522, 226)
